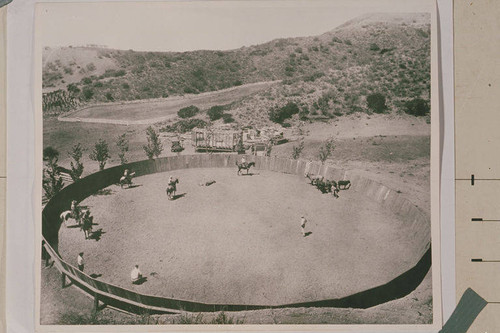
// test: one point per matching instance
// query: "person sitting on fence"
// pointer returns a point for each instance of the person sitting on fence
(136, 275)
(80, 261)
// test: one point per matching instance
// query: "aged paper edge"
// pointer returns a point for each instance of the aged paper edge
(3, 162)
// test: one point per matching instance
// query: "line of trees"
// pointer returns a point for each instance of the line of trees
(53, 182)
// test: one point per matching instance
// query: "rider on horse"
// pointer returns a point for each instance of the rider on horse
(243, 162)
(128, 176)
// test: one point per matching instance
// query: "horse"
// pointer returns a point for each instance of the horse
(126, 179)
(66, 215)
(313, 179)
(171, 188)
(244, 167)
(344, 184)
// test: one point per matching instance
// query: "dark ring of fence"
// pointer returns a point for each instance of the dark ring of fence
(407, 281)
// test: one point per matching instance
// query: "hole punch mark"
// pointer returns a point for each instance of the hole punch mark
(472, 180)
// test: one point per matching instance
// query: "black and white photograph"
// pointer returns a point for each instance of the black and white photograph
(237, 163)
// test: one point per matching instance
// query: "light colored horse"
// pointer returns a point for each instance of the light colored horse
(126, 179)
(313, 179)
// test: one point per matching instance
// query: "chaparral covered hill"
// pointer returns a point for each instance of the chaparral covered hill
(330, 74)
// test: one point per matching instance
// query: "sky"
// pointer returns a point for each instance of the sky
(194, 25)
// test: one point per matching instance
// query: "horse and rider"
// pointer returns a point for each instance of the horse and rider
(126, 179)
(172, 187)
(244, 165)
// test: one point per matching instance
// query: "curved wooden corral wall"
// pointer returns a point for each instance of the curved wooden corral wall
(417, 223)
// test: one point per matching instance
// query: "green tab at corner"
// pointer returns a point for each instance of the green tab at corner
(469, 307)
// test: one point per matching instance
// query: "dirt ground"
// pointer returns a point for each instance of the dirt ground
(239, 240)
(391, 149)
(156, 110)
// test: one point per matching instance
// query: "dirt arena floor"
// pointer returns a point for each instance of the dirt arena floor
(239, 240)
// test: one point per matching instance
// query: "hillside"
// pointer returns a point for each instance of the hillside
(329, 74)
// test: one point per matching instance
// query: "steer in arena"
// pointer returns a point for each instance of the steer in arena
(344, 184)
(313, 179)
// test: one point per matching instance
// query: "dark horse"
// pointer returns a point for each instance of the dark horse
(246, 167)
(171, 188)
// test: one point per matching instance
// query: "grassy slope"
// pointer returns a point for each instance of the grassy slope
(375, 53)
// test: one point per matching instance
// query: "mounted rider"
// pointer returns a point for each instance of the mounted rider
(128, 175)
(244, 162)
(171, 181)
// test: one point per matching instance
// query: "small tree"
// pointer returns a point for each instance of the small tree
(417, 107)
(52, 181)
(215, 112)
(122, 145)
(326, 150)
(154, 146)
(376, 102)
(188, 111)
(297, 150)
(100, 153)
(76, 167)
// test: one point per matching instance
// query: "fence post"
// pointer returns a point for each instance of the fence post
(63, 280)
(96, 304)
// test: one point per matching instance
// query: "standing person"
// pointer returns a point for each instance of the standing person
(87, 224)
(80, 261)
(76, 212)
(303, 222)
(136, 275)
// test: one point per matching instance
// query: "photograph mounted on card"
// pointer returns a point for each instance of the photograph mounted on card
(244, 163)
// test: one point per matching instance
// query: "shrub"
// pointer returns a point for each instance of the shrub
(417, 107)
(376, 102)
(215, 112)
(184, 126)
(303, 113)
(73, 88)
(109, 97)
(87, 80)
(278, 115)
(88, 93)
(90, 67)
(154, 146)
(325, 151)
(100, 153)
(286, 125)
(228, 118)
(374, 47)
(313, 76)
(188, 111)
